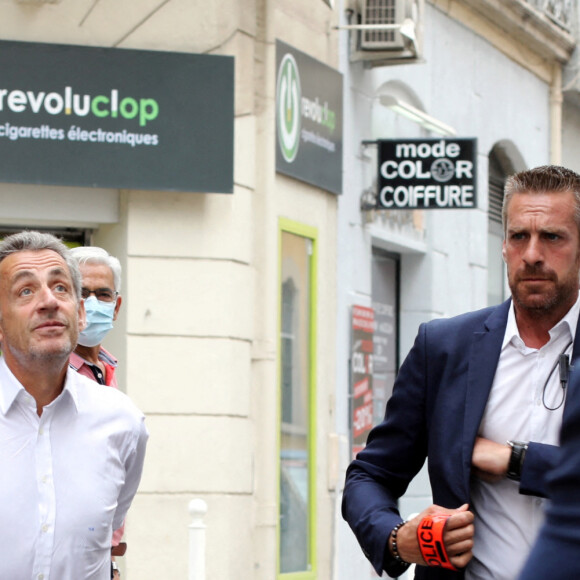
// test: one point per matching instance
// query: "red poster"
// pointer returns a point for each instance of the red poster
(363, 325)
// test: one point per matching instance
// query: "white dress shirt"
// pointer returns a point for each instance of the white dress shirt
(67, 478)
(525, 386)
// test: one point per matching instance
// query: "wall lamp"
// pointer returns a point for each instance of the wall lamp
(416, 115)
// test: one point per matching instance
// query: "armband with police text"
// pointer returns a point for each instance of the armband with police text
(430, 536)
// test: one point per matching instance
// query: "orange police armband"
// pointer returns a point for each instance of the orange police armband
(430, 536)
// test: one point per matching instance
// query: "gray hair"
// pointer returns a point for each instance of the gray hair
(96, 255)
(32, 241)
(543, 179)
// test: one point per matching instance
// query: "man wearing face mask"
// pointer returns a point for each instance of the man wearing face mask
(101, 274)
(101, 284)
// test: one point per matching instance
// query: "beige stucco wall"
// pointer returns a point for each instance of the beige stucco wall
(197, 336)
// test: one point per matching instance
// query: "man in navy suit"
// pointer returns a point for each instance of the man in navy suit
(556, 553)
(481, 397)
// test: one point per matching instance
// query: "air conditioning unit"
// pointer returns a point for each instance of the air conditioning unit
(381, 12)
(386, 32)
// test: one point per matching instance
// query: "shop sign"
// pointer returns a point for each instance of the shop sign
(427, 174)
(116, 118)
(363, 325)
(308, 119)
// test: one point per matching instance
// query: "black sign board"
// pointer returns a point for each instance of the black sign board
(104, 117)
(308, 119)
(427, 174)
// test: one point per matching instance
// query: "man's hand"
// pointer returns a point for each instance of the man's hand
(457, 536)
(490, 459)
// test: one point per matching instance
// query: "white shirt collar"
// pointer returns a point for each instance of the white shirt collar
(11, 388)
(570, 320)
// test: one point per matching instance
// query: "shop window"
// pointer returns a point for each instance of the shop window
(296, 546)
(72, 237)
(385, 297)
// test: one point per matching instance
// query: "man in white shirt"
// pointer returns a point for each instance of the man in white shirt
(481, 396)
(71, 451)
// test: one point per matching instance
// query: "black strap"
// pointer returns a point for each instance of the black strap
(99, 375)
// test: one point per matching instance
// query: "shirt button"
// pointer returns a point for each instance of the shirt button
(45, 528)
(44, 478)
(41, 577)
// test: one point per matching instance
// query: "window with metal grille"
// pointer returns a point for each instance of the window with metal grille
(495, 198)
(495, 267)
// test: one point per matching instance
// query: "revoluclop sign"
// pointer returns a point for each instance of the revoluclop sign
(84, 116)
(308, 119)
(427, 174)
(69, 103)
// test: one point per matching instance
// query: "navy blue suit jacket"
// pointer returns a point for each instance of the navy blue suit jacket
(437, 404)
(556, 553)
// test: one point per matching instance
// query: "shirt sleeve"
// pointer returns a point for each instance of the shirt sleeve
(133, 472)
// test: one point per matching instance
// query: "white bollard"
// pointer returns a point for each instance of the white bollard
(197, 510)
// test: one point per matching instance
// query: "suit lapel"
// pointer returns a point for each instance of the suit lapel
(574, 363)
(484, 352)
(576, 347)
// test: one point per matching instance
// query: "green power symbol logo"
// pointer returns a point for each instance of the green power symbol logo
(288, 104)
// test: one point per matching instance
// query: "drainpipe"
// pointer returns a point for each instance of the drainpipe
(556, 100)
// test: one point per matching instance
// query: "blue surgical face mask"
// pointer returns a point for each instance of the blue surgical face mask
(99, 321)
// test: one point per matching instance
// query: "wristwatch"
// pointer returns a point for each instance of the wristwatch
(516, 462)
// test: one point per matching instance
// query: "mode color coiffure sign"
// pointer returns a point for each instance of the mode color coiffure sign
(308, 119)
(116, 118)
(427, 174)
